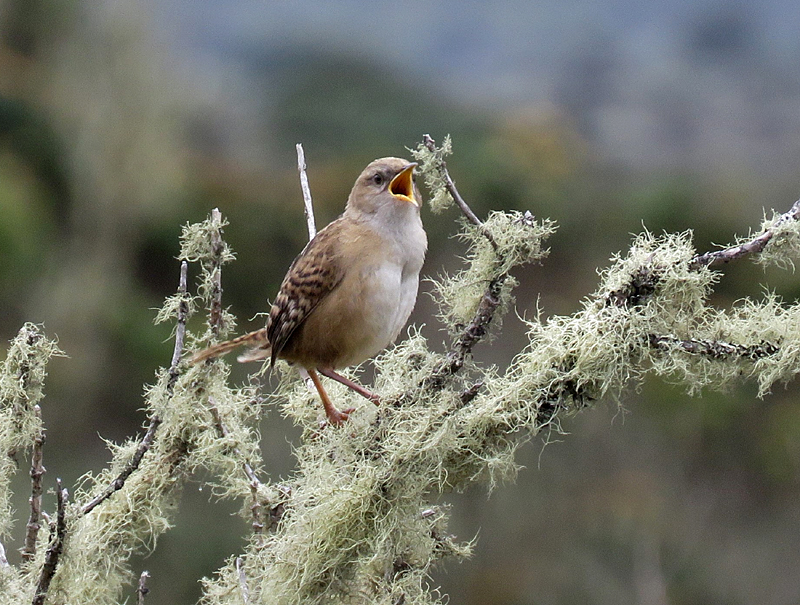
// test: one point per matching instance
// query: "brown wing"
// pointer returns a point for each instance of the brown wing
(312, 276)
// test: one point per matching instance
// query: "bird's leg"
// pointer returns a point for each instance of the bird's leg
(334, 416)
(351, 384)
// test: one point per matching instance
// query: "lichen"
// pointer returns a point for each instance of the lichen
(431, 164)
(361, 519)
(22, 375)
(784, 246)
(516, 239)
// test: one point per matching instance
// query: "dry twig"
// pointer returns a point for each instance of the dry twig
(217, 245)
(141, 588)
(58, 531)
(255, 483)
(37, 472)
(753, 246)
(242, 581)
(308, 207)
(155, 421)
(451, 189)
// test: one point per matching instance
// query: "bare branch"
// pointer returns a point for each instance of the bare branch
(255, 483)
(307, 203)
(155, 420)
(142, 589)
(58, 532)
(119, 482)
(242, 581)
(36, 473)
(753, 246)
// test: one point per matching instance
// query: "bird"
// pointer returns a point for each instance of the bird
(349, 293)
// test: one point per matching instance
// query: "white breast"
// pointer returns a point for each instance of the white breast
(390, 290)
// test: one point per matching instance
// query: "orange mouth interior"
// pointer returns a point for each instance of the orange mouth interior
(402, 186)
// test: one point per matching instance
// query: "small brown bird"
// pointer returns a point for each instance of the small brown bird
(350, 291)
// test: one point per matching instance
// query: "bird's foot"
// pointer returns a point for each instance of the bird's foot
(337, 417)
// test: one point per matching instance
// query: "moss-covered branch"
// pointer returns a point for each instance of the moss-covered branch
(360, 520)
(357, 528)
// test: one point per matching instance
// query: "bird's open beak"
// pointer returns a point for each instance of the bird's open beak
(402, 185)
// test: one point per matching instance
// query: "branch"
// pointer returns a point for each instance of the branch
(307, 204)
(142, 589)
(180, 330)
(642, 284)
(451, 189)
(242, 581)
(36, 473)
(53, 554)
(469, 337)
(255, 483)
(753, 246)
(3, 559)
(308, 210)
(490, 301)
(714, 349)
(155, 421)
(215, 313)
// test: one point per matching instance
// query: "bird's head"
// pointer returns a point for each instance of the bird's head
(387, 183)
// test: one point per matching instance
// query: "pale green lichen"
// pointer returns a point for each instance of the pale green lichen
(518, 239)
(202, 243)
(22, 375)
(784, 246)
(356, 529)
(360, 520)
(431, 167)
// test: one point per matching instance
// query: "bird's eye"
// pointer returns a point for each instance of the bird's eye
(378, 179)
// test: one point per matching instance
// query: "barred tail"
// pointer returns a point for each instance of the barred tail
(259, 337)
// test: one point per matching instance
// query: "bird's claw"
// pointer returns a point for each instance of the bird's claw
(338, 417)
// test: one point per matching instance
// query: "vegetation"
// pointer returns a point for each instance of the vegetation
(361, 520)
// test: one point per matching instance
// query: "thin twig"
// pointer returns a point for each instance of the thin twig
(242, 581)
(470, 335)
(37, 472)
(307, 203)
(255, 483)
(141, 588)
(451, 189)
(753, 246)
(714, 349)
(490, 301)
(308, 210)
(644, 280)
(180, 330)
(155, 420)
(469, 394)
(57, 534)
(215, 313)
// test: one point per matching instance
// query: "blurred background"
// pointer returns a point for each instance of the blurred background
(120, 121)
